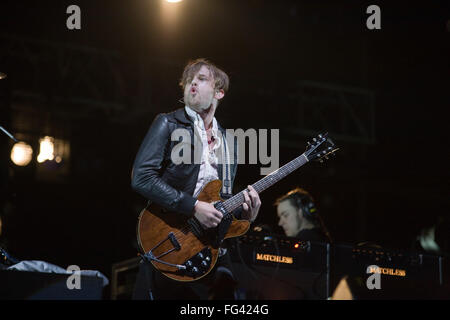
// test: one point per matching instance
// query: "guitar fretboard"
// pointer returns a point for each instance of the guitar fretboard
(266, 182)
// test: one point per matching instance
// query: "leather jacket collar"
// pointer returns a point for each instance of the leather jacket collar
(181, 116)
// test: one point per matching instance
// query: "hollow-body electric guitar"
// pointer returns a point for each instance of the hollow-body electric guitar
(181, 248)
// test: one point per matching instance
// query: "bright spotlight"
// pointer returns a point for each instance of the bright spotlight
(46, 149)
(21, 154)
(173, 1)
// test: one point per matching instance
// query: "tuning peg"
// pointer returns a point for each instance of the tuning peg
(314, 139)
(320, 136)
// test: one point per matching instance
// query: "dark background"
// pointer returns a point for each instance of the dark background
(100, 87)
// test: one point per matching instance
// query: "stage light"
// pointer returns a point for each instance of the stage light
(170, 15)
(54, 160)
(46, 149)
(21, 154)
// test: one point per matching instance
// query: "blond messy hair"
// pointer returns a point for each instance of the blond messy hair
(221, 80)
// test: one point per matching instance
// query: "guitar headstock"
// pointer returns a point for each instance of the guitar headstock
(321, 148)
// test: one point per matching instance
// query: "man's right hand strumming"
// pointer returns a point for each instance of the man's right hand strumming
(207, 214)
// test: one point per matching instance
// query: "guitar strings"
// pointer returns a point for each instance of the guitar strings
(267, 181)
(232, 203)
(260, 186)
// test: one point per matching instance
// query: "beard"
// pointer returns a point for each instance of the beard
(197, 102)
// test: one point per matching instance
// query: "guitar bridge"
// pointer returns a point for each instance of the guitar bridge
(173, 240)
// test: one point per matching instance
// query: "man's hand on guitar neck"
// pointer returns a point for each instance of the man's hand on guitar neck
(251, 205)
(207, 215)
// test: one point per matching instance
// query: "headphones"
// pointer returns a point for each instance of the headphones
(304, 201)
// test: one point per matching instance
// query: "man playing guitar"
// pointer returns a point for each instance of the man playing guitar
(175, 186)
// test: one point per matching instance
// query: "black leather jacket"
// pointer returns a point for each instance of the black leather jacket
(157, 178)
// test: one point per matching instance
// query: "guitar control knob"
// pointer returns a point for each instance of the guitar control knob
(195, 270)
(200, 255)
(208, 259)
(189, 263)
(204, 264)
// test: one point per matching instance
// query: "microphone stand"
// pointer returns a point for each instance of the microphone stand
(3, 76)
(8, 134)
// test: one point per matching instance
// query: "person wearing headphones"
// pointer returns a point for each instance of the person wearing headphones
(299, 218)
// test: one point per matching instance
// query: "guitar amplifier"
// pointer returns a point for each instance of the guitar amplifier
(123, 279)
(393, 274)
(278, 268)
(284, 268)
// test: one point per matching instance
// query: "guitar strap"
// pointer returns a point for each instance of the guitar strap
(226, 168)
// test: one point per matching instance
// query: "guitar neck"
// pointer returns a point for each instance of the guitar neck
(238, 199)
